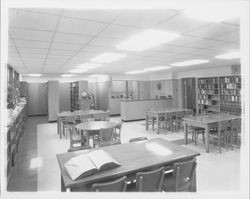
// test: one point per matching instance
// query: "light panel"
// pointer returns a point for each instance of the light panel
(34, 75)
(108, 57)
(83, 68)
(147, 39)
(190, 62)
(157, 68)
(133, 72)
(232, 55)
(67, 75)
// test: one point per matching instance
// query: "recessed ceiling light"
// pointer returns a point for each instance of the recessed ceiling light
(147, 39)
(135, 72)
(190, 62)
(34, 75)
(67, 75)
(212, 14)
(232, 55)
(83, 68)
(108, 57)
(157, 68)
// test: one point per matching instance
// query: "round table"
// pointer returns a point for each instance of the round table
(95, 125)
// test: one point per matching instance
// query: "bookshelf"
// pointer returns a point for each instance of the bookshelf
(219, 94)
(230, 94)
(15, 130)
(208, 95)
(76, 88)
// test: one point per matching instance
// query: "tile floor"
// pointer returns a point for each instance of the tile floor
(39, 171)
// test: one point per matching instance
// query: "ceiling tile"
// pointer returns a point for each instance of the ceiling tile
(97, 49)
(62, 52)
(102, 41)
(144, 18)
(96, 15)
(34, 56)
(180, 24)
(31, 44)
(20, 19)
(213, 29)
(205, 43)
(117, 31)
(61, 46)
(68, 25)
(52, 11)
(233, 36)
(33, 50)
(24, 34)
(71, 38)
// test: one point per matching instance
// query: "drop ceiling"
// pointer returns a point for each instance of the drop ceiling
(58, 40)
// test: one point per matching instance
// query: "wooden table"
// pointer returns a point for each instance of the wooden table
(61, 116)
(133, 157)
(155, 114)
(207, 122)
(96, 125)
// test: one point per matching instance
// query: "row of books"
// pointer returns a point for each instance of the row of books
(230, 79)
(209, 92)
(208, 81)
(207, 102)
(232, 98)
(230, 86)
(230, 92)
(208, 86)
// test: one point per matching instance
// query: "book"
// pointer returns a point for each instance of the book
(87, 164)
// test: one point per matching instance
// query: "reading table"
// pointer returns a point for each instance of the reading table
(133, 157)
(207, 122)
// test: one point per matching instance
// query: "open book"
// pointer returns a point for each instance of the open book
(87, 164)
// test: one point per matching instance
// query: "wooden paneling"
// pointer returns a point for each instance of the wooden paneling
(37, 99)
(53, 100)
(64, 101)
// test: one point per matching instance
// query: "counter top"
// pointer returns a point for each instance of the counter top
(132, 100)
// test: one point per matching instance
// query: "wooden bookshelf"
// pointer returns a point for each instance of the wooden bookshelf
(230, 94)
(219, 94)
(208, 95)
(76, 88)
(15, 131)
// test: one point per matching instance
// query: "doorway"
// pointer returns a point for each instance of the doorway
(189, 93)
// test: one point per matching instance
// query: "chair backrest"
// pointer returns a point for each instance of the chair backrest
(106, 135)
(84, 117)
(168, 116)
(236, 125)
(113, 186)
(184, 175)
(70, 119)
(150, 180)
(223, 125)
(108, 115)
(100, 116)
(137, 139)
(79, 148)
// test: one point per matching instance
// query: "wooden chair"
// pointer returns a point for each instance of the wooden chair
(150, 181)
(117, 133)
(119, 185)
(84, 118)
(106, 138)
(161, 121)
(220, 134)
(77, 139)
(138, 139)
(182, 178)
(69, 122)
(108, 115)
(177, 119)
(100, 116)
(234, 132)
(168, 121)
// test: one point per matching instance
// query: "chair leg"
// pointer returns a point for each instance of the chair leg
(219, 145)
(203, 138)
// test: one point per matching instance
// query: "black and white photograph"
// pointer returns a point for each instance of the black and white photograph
(125, 99)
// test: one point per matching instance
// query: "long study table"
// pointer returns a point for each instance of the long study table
(133, 157)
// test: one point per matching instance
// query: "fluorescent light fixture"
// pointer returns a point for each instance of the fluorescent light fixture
(135, 72)
(147, 39)
(108, 57)
(157, 68)
(67, 75)
(35, 75)
(85, 67)
(212, 14)
(232, 55)
(97, 75)
(190, 62)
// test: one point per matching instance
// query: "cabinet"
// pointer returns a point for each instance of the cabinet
(53, 100)
(219, 94)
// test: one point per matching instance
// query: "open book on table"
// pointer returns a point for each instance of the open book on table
(87, 164)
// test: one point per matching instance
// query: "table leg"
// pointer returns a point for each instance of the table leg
(153, 123)
(57, 125)
(158, 125)
(185, 133)
(146, 120)
(63, 188)
(207, 139)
